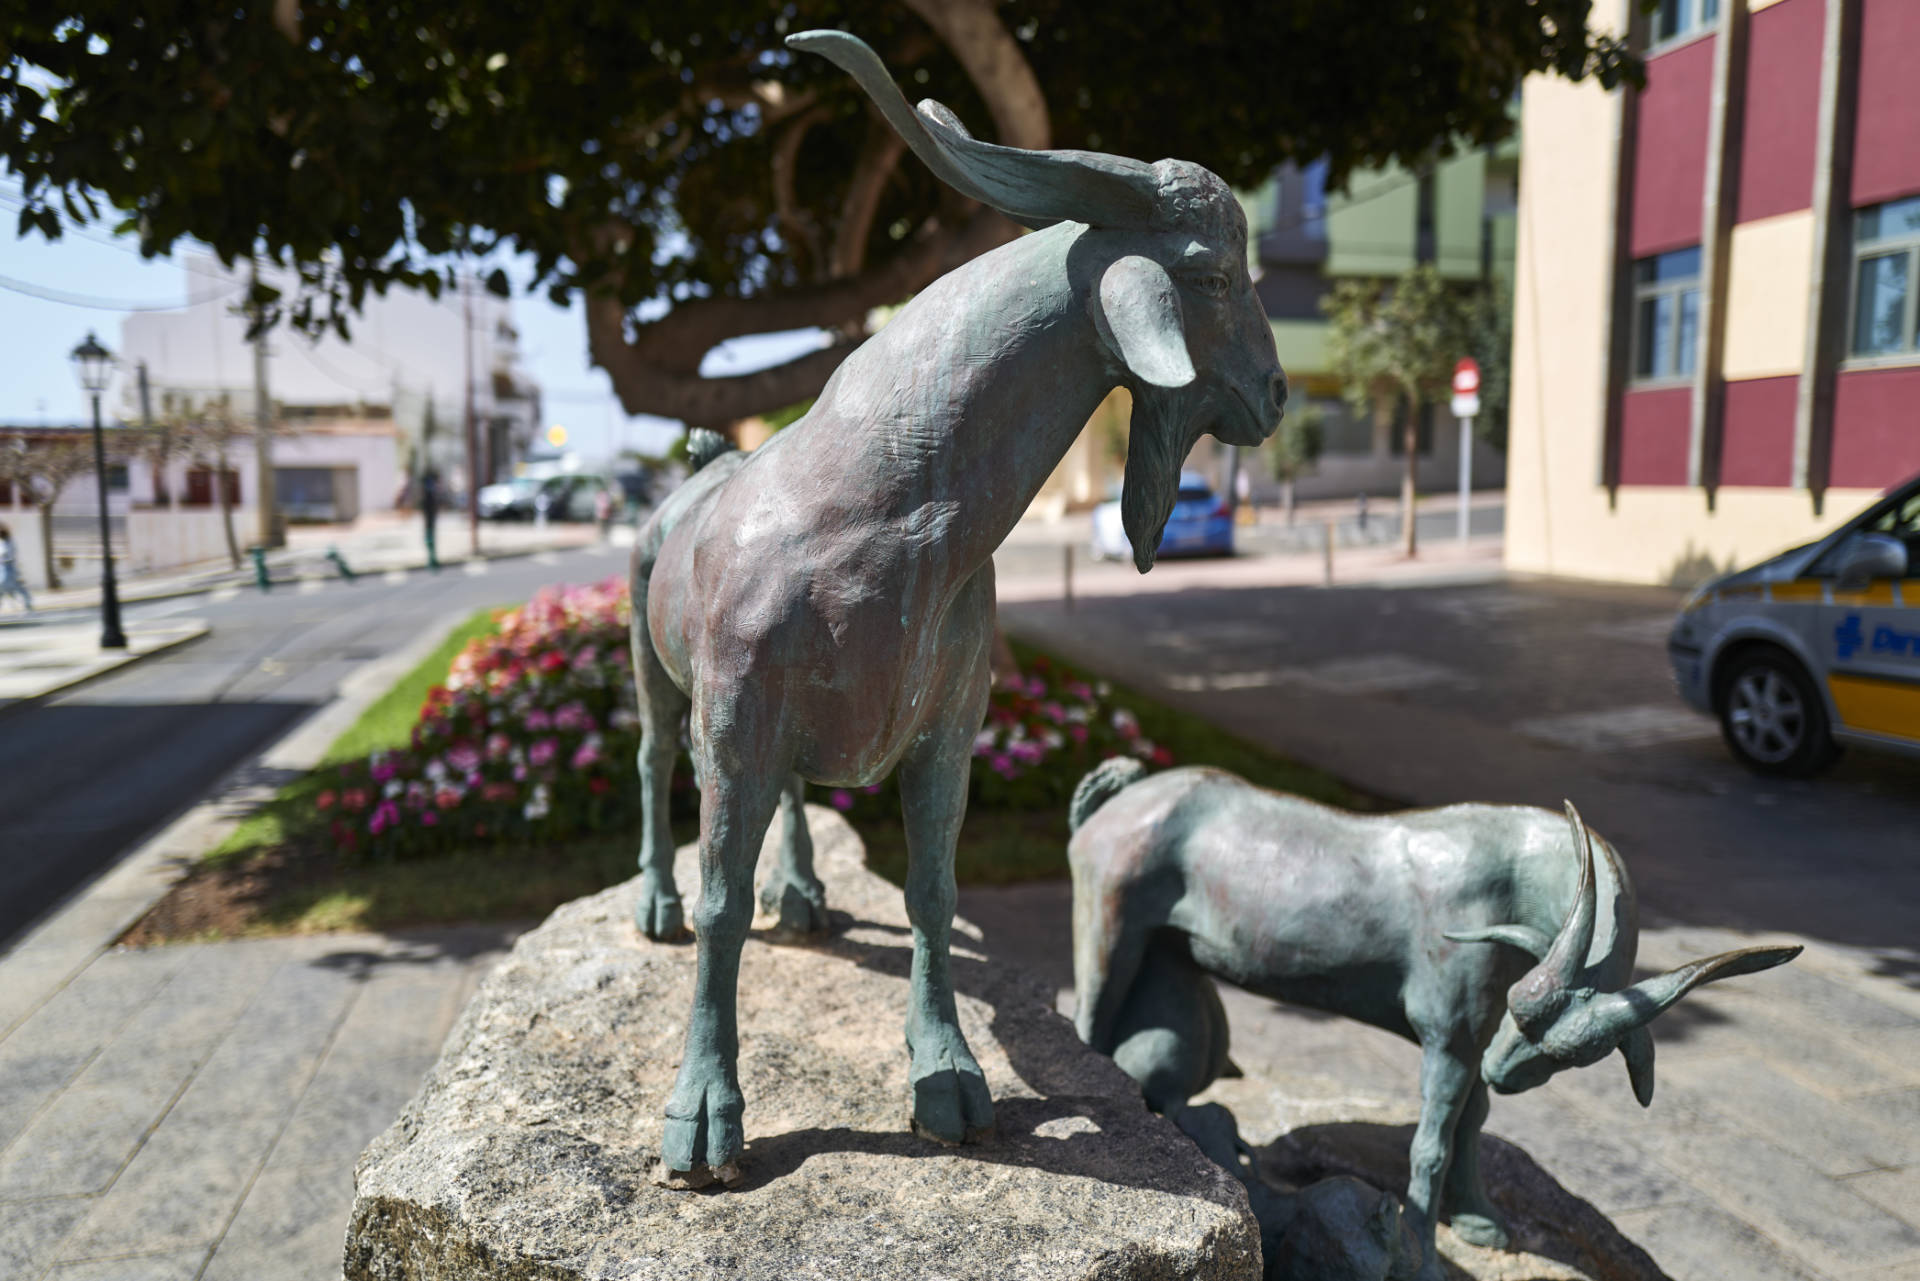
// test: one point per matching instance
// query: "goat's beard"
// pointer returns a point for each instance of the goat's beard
(1155, 449)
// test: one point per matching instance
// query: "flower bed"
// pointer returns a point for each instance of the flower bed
(1046, 727)
(532, 736)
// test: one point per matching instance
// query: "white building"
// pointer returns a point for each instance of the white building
(359, 418)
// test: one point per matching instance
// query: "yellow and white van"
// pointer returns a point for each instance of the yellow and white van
(1814, 649)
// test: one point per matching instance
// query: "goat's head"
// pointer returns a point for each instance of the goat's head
(1163, 268)
(1556, 1018)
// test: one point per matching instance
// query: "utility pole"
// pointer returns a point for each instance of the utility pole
(473, 453)
(264, 498)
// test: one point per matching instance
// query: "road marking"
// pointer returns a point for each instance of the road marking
(1373, 674)
(1620, 728)
(475, 568)
(221, 595)
(1481, 607)
(309, 587)
(394, 577)
(544, 558)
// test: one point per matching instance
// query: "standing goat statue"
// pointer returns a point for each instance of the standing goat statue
(1481, 932)
(825, 605)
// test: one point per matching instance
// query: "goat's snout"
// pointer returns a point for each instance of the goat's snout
(1277, 390)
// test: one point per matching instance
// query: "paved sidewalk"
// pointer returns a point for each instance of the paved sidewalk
(38, 661)
(195, 1111)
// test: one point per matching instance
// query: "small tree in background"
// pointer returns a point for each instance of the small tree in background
(1400, 338)
(41, 471)
(207, 436)
(1294, 449)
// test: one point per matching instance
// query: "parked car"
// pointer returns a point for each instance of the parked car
(510, 499)
(1815, 649)
(1201, 524)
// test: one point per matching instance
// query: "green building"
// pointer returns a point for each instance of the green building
(1458, 215)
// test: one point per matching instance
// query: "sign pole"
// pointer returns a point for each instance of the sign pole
(1466, 473)
(1466, 407)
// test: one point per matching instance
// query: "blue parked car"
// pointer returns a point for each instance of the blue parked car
(1201, 525)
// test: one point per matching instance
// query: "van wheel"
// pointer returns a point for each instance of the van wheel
(1772, 717)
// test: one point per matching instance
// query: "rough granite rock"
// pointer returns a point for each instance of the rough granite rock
(527, 1152)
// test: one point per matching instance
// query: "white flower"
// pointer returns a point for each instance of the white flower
(983, 741)
(537, 806)
(1102, 689)
(1053, 739)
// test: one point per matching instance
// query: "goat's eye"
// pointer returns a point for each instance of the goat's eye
(1210, 283)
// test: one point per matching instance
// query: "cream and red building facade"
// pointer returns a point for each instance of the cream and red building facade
(1715, 348)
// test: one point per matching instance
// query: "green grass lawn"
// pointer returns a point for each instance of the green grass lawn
(262, 881)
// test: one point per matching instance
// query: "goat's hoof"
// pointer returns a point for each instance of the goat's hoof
(951, 1102)
(657, 913)
(1483, 1230)
(703, 1136)
(800, 905)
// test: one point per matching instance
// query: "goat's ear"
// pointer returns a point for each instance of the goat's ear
(1529, 940)
(1137, 312)
(1636, 1047)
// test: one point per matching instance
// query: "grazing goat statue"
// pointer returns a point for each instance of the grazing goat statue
(1385, 918)
(825, 605)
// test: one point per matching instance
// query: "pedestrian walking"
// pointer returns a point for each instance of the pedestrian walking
(10, 584)
(430, 512)
(603, 512)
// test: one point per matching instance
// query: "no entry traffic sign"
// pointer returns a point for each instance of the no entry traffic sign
(1466, 376)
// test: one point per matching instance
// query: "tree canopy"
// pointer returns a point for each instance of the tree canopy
(674, 164)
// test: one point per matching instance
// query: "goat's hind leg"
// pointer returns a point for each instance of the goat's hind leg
(662, 708)
(1448, 1073)
(795, 893)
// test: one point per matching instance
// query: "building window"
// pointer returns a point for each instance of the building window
(1666, 314)
(1886, 257)
(1676, 18)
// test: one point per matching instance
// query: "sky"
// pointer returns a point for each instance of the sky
(91, 280)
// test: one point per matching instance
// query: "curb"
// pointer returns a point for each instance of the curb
(65, 687)
(176, 593)
(55, 949)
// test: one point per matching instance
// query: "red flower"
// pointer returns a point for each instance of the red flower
(325, 800)
(598, 785)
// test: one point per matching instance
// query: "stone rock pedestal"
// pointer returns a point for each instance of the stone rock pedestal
(528, 1151)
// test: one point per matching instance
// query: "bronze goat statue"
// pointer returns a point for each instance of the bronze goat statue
(824, 607)
(1481, 932)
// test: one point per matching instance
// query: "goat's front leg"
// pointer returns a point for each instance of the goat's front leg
(1468, 1209)
(950, 1098)
(1446, 1079)
(738, 791)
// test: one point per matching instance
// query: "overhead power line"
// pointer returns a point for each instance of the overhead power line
(45, 294)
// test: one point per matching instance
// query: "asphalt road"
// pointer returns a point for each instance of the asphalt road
(85, 777)
(1527, 691)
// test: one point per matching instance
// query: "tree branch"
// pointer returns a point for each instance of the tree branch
(795, 223)
(879, 155)
(996, 66)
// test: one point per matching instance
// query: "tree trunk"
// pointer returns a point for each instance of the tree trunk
(1286, 497)
(1409, 542)
(46, 544)
(226, 506)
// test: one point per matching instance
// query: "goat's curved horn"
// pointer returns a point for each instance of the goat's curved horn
(1036, 188)
(1542, 992)
(1614, 1014)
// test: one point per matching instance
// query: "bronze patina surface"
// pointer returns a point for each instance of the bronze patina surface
(822, 609)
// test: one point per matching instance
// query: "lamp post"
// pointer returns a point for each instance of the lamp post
(94, 365)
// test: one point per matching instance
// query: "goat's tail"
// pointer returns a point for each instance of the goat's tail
(1099, 787)
(703, 446)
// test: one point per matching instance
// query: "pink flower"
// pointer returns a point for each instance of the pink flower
(543, 752)
(324, 801)
(384, 769)
(446, 799)
(539, 718)
(587, 756)
(463, 758)
(429, 819)
(840, 798)
(1077, 732)
(386, 814)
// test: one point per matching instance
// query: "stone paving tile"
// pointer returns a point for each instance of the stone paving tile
(1897, 1191)
(1834, 1137)
(180, 1189)
(293, 1227)
(1601, 1163)
(1845, 1005)
(77, 1146)
(1909, 1271)
(31, 1232)
(1698, 1241)
(266, 1062)
(170, 1265)
(351, 1101)
(1815, 1219)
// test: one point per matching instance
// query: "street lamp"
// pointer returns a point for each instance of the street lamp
(94, 366)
